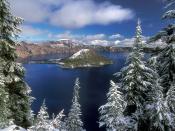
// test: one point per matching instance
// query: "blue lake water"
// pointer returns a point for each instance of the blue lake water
(55, 85)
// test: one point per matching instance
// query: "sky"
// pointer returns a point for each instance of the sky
(97, 20)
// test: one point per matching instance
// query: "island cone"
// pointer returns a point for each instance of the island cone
(85, 58)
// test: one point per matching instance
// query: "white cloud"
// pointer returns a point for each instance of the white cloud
(30, 10)
(116, 36)
(65, 35)
(80, 38)
(77, 14)
(128, 42)
(95, 37)
(99, 42)
(30, 31)
(70, 13)
(117, 42)
(125, 42)
(68, 35)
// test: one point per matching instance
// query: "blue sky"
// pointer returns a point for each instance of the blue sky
(87, 19)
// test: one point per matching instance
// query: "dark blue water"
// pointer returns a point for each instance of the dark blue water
(55, 85)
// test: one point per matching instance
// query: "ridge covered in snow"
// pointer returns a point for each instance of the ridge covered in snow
(79, 53)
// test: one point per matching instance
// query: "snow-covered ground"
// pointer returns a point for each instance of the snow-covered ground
(79, 53)
(13, 128)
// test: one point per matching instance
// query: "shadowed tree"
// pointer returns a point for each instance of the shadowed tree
(166, 58)
(13, 72)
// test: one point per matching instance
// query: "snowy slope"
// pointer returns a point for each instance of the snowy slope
(79, 54)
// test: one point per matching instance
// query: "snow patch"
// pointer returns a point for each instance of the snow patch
(173, 46)
(101, 63)
(13, 128)
(79, 53)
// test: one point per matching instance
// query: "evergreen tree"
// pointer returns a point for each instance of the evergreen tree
(13, 73)
(57, 122)
(4, 108)
(32, 117)
(165, 66)
(4, 100)
(166, 58)
(42, 122)
(158, 113)
(171, 98)
(112, 112)
(73, 121)
(136, 83)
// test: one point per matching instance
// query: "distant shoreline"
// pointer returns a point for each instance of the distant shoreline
(42, 53)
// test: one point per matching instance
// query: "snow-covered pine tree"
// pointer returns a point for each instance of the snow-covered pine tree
(171, 97)
(4, 100)
(158, 111)
(135, 82)
(57, 122)
(166, 69)
(42, 120)
(166, 57)
(13, 73)
(111, 114)
(32, 117)
(73, 120)
(4, 108)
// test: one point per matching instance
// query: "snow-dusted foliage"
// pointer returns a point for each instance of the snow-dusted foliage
(42, 120)
(111, 114)
(166, 62)
(158, 111)
(171, 3)
(136, 82)
(43, 123)
(170, 98)
(166, 58)
(73, 120)
(13, 128)
(160, 105)
(170, 14)
(135, 76)
(4, 108)
(57, 122)
(12, 73)
(4, 105)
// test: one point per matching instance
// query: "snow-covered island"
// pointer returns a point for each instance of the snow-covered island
(85, 58)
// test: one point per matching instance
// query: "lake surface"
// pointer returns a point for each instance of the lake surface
(55, 85)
